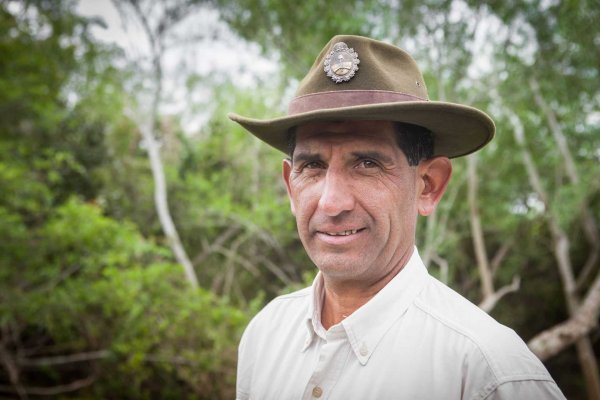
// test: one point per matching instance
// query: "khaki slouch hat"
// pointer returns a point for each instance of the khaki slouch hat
(357, 78)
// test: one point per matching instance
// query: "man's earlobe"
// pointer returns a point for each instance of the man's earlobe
(286, 172)
(435, 174)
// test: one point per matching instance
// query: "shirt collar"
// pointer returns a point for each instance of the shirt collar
(367, 325)
(313, 315)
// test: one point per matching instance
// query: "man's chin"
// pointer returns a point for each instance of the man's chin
(340, 268)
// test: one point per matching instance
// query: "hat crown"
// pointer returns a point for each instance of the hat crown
(357, 78)
(383, 67)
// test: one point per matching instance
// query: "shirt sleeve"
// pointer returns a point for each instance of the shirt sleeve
(526, 389)
(244, 369)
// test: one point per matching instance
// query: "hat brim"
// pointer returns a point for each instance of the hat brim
(457, 129)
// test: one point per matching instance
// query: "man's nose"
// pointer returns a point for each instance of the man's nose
(336, 195)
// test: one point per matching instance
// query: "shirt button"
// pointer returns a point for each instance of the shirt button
(364, 351)
(317, 392)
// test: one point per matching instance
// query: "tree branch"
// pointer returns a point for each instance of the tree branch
(444, 266)
(64, 275)
(489, 302)
(552, 341)
(63, 359)
(500, 255)
(239, 259)
(556, 130)
(219, 241)
(7, 360)
(485, 272)
(53, 390)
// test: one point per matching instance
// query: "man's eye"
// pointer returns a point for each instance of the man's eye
(311, 165)
(368, 164)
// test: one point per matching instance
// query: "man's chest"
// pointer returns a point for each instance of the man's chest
(400, 366)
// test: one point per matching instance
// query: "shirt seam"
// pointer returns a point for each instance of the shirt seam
(419, 278)
(497, 381)
(423, 307)
(484, 394)
(295, 295)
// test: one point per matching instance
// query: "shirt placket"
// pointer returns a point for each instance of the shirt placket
(333, 355)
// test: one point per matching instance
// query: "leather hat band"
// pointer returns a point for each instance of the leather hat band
(346, 98)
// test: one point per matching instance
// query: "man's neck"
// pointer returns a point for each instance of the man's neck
(338, 306)
(341, 299)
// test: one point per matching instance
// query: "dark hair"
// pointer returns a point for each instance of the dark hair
(416, 142)
(291, 141)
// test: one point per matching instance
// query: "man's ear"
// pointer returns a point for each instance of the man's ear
(434, 175)
(287, 170)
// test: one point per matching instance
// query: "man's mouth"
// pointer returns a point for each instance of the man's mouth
(343, 233)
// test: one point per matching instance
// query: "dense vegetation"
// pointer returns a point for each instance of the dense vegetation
(93, 302)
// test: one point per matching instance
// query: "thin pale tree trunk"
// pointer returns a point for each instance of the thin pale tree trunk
(151, 132)
(486, 270)
(162, 209)
(485, 273)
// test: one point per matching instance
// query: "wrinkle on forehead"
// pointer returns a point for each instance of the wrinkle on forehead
(352, 133)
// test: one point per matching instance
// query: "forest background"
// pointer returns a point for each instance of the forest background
(140, 229)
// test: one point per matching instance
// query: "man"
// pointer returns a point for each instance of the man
(368, 153)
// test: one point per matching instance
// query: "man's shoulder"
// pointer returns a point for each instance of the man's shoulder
(298, 298)
(494, 344)
(456, 312)
(285, 308)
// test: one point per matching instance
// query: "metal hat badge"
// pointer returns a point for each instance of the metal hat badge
(341, 63)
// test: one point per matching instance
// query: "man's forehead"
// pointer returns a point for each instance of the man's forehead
(375, 133)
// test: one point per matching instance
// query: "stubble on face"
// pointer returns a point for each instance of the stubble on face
(354, 198)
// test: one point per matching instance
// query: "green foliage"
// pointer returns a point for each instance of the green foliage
(91, 283)
(84, 266)
(76, 276)
(234, 205)
(161, 328)
(297, 30)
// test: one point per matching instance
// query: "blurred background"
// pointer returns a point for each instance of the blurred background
(140, 229)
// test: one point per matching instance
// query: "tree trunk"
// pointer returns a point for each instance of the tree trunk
(590, 225)
(584, 347)
(150, 132)
(551, 341)
(162, 209)
(485, 274)
(490, 296)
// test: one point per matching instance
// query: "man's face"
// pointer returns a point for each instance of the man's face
(355, 198)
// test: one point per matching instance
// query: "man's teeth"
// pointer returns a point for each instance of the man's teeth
(343, 233)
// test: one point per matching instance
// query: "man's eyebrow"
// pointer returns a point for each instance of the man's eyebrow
(306, 157)
(375, 155)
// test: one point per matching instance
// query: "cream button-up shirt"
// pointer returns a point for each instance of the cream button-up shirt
(416, 339)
